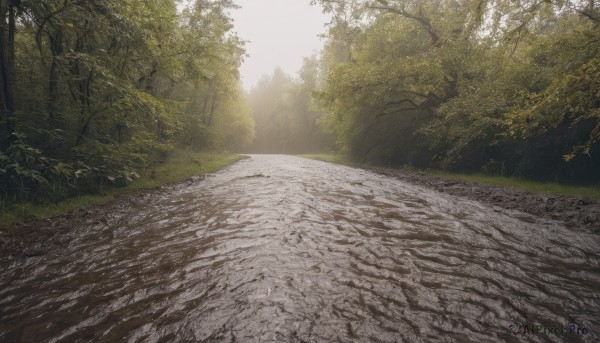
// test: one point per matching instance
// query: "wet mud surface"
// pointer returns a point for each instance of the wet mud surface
(284, 249)
(573, 212)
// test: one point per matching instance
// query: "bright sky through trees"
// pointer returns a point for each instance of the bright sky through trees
(280, 33)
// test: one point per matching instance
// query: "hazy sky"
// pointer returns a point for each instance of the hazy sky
(280, 33)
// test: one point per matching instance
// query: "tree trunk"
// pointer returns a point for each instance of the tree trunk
(12, 28)
(86, 114)
(56, 48)
(52, 90)
(215, 84)
(7, 101)
(213, 106)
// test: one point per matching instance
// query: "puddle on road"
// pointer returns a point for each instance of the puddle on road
(284, 249)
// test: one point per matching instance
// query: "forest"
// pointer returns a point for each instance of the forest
(504, 87)
(96, 92)
(499, 87)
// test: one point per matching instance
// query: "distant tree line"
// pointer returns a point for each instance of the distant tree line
(93, 92)
(500, 86)
(285, 114)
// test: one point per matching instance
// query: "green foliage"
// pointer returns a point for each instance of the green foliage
(500, 86)
(104, 90)
(23, 168)
(573, 98)
(386, 92)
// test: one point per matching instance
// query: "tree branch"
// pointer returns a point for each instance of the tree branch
(425, 23)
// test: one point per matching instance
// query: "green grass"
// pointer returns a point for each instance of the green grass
(591, 192)
(180, 165)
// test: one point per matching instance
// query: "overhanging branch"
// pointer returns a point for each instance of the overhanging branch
(422, 20)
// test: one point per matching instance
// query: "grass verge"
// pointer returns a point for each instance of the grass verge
(591, 192)
(180, 165)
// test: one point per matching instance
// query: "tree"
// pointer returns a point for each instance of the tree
(7, 69)
(107, 88)
(499, 86)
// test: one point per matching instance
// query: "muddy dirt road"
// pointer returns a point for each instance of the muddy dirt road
(284, 249)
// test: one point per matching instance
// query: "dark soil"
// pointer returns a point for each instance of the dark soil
(573, 212)
(36, 236)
